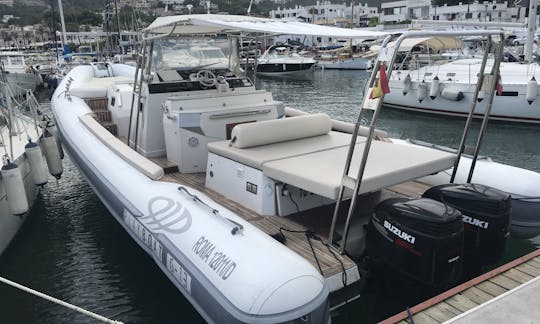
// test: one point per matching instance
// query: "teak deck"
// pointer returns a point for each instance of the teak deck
(331, 263)
(297, 242)
(473, 293)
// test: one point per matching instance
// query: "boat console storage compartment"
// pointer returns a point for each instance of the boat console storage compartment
(191, 122)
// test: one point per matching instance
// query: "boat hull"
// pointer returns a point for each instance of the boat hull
(349, 64)
(9, 223)
(511, 106)
(453, 94)
(285, 69)
(174, 240)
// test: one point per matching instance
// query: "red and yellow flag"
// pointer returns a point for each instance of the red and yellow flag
(382, 84)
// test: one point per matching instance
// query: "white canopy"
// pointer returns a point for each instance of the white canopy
(436, 43)
(207, 24)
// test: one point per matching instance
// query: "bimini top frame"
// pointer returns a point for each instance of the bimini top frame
(230, 24)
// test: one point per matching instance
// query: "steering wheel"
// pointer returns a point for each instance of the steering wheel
(206, 78)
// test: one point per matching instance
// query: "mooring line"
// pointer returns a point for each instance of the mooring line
(58, 301)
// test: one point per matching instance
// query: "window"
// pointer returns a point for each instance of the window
(113, 100)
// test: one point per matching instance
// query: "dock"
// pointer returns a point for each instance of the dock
(507, 294)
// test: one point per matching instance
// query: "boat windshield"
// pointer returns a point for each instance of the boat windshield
(190, 54)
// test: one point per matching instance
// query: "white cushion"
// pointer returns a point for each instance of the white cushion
(280, 130)
(388, 164)
(256, 156)
(96, 87)
(147, 167)
(338, 125)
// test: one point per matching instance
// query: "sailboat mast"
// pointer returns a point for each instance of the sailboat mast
(53, 29)
(63, 23)
(531, 29)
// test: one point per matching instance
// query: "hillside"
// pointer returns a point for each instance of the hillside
(93, 4)
(80, 4)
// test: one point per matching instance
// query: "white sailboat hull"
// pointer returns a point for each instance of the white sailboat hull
(9, 223)
(511, 105)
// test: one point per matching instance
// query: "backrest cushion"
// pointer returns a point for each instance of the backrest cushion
(280, 130)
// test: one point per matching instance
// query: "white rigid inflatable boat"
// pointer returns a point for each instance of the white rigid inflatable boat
(193, 246)
(232, 198)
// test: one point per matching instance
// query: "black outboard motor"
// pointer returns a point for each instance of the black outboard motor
(421, 238)
(486, 216)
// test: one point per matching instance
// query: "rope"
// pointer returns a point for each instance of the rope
(311, 235)
(409, 316)
(58, 301)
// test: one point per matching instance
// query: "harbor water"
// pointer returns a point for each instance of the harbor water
(73, 249)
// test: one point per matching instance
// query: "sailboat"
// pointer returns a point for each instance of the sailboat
(449, 88)
(24, 170)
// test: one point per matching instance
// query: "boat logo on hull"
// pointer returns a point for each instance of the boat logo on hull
(167, 215)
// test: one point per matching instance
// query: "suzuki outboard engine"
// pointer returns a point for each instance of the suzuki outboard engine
(486, 216)
(421, 238)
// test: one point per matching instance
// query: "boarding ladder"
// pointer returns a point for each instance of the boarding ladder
(388, 55)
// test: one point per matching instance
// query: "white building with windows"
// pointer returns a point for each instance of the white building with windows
(483, 11)
(406, 10)
(324, 12)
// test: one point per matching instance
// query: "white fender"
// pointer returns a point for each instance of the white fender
(532, 90)
(452, 94)
(422, 91)
(52, 155)
(481, 95)
(37, 164)
(54, 131)
(434, 89)
(407, 84)
(14, 187)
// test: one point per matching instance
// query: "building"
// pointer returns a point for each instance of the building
(8, 3)
(404, 10)
(485, 11)
(407, 10)
(329, 14)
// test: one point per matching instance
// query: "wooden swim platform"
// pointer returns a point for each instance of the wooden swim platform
(475, 292)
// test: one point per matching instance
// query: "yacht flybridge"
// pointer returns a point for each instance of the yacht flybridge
(255, 212)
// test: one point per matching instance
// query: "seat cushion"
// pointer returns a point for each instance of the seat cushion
(256, 156)
(388, 164)
(97, 87)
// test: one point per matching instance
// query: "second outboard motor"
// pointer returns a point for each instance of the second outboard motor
(486, 216)
(421, 238)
